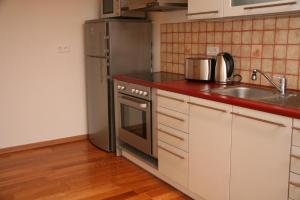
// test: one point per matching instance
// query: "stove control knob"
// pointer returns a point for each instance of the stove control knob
(122, 87)
(137, 91)
(132, 90)
(141, 93)
(119, 87)
(145, 93)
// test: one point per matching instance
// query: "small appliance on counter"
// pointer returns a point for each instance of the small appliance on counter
(224, 69)
(201, 69)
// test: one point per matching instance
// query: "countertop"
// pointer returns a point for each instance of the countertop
(195, 89)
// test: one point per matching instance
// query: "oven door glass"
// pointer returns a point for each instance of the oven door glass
(134, 121)
(108, 6)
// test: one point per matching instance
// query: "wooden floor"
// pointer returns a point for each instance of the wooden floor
(77, 171)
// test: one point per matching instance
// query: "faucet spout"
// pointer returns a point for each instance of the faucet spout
(281, 87)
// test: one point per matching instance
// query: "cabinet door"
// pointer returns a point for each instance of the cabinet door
(209, 148)
(252, 7)
(260, 155)
(205, 9)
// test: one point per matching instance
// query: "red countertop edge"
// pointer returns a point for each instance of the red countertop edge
(195, 89)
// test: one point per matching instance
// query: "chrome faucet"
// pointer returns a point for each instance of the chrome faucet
(282, 81)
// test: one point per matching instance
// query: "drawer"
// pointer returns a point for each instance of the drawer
(173, 163)
(173, 137)
(172, 119)
(173, 101)
(296, 133)
(294, 187)
(295, 160)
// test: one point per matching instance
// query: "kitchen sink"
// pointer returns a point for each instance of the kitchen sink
(290, 99)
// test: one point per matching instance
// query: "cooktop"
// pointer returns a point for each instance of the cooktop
(157, 76)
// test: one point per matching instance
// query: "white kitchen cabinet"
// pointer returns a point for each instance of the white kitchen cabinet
(253, 7)
(205, 9)
(209, 148)
(260, 155)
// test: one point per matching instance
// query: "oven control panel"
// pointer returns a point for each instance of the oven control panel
(139, 91)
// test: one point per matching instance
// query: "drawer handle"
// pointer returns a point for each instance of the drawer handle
(176, 118)
(172, 98)
(257, 119)
(170, 134)
(295, 156)
(174, 154)
(295, 184)
(208, 107)
(203, 13)
(270, 5)
(297, 129)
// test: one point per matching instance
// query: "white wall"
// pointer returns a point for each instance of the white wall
(159, 18)
(42, 92)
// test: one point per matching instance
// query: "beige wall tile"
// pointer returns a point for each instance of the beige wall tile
(282, 23)
(188, 48)
(202, 37)
(195, 27)
(163, 66)
(163, 48)
(236, 50)
(237, 25)
(246, 37)
(181, 68)
(202, 49)
(169, 37)
(245, 75)
(175, 28)
(175, 37)
(265, 81)
(169, 67)
(269, 37)
(258, 24)
(181, 27)
(175, 68)
(247, 25)
(236, 37)
(227, 37)
(175, 58)
(246, 51)
(181, 59)
(169, 28)
(188, 37)
(256, 51)
(163, 37)
(268, 51)
(228, 26)
(194, 49)
(281, 37)
(292, 67)
(294, 36)
(210, 37)
(195, 37)
(267, 65)
(255, 63)
(163, 57)
(175, 48)
(227, 48)
(237, 63)
(163, 28)
(181, 37)
(245, 63)
(169, 48)
(188, 27)
(218, 37)
(210, 26)
(279, 67)
(295, 22)
(257, 37)
(292, 82)
(280, 51)
(181, 48)
(202, 26)
(293, 52)
(269, 23)
(219, 26)
(169, 57)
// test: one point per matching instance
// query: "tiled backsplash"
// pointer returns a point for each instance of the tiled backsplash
(271, 44)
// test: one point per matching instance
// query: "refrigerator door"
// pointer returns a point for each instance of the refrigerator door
(130, 46)
(95, 39)
(97, 102)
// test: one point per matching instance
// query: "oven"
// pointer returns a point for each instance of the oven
(135, 117)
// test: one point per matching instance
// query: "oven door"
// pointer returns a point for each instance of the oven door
(110, 8)
(135, 123)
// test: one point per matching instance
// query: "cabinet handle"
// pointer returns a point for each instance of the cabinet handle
(257, 119)
(170, 134)
(174, 154)
(203, 13)
(297, 129)
(176, 118)
(172, 98)
(270, 5)
(295, 184)
(295, 156)
(208, 107)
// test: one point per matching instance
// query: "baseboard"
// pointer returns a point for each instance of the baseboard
(43, 144)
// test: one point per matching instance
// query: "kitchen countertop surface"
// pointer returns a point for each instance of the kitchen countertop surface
(195, 89)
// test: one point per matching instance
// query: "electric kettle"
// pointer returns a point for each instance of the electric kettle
(224, 69)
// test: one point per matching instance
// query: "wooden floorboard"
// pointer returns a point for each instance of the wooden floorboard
(74, 171)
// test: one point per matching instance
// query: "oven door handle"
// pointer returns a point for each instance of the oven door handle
(134, 103)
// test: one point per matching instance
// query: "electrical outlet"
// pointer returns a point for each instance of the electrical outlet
(212, 51)
(63, 49)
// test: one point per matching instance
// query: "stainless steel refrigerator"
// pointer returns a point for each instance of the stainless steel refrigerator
(112, 46)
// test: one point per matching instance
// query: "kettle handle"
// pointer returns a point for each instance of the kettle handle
(229, 64)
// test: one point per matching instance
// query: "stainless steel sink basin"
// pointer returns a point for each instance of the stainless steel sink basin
(244, 92)
(291, 99)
